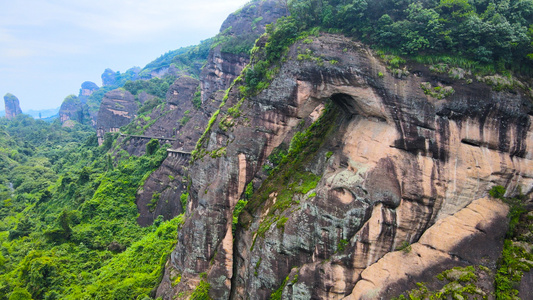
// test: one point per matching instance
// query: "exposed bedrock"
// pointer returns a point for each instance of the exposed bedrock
(118, 108)
(396, 166)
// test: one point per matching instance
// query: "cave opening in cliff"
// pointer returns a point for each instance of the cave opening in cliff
(346, 103)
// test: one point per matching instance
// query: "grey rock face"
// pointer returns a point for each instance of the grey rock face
(118, 108)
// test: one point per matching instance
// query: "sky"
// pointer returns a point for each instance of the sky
(48, 48)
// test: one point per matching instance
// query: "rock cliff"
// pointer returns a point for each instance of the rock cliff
(373, 161)
(76, 108)
(118, 108)
(73, 109)
(12, 106)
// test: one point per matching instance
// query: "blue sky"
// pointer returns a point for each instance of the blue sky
(49, 47)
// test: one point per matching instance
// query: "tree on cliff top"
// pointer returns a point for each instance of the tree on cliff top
(495, 31)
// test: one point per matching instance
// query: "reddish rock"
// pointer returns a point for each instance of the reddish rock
(184, 122)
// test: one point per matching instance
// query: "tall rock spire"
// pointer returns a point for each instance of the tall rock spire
(12, 106)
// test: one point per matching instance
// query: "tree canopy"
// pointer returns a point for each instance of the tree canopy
(488, 31)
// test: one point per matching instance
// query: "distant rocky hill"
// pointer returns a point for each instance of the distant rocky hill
(84, 108)
(12, 106)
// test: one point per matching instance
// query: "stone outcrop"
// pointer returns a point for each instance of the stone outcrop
(455, 240)
(252, 18)
(73, 109)
(392, 166)
(87, 89)
(217, 75)
(12, 106)
(118, 108)
(114, 79)
(108, 77)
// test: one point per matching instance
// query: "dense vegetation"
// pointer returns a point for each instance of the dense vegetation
(487, 31)
(186, 60)
(153, 106)
(68, 216)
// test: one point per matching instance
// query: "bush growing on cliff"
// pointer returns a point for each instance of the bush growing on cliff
(279, 36)
(155, 86)
(152, 146)
(497, 191)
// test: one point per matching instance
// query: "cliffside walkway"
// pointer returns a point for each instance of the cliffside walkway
(180, 155)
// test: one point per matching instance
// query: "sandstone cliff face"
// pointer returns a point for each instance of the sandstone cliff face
(118, 108)
(181, 122)
(392, 164)
(12, 106)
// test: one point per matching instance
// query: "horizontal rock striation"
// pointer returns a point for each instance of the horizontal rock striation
(118, 108)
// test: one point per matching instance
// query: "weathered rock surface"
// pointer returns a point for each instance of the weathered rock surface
(459, 239)
(118, 108)
(186, 128)
(395, 166)
(12, 106)
(181, 122)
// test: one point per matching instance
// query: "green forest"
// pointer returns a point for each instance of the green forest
(68, 216)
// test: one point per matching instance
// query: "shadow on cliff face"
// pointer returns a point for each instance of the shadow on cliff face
(346, 103)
